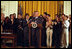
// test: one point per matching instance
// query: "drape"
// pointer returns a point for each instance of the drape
(51, 7)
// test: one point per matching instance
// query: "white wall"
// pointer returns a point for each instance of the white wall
(9, 7)
(67, 7)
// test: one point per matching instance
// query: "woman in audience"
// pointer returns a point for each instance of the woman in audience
(13, 25)
(2, 25)
(7, 24)
(49, 31)
(14, 15)
(2, 21)
(2, 17)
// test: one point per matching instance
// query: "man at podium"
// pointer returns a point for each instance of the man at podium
(35, 35)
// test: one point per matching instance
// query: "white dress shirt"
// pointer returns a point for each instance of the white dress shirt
(66, 24)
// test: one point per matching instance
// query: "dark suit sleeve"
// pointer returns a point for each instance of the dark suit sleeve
(24, 23)
(31, 20)
(15, 26)
(39, 20)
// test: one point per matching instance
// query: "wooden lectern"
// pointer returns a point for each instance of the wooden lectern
(40, 27)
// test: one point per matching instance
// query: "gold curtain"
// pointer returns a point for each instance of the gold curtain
(51, 7)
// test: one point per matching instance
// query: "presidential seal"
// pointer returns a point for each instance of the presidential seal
(34, 25)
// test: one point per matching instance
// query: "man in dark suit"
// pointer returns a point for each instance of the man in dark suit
(57, 32)
(20, 34)
(26, 30)
(54, 30)
(35, 34)
(44, 30)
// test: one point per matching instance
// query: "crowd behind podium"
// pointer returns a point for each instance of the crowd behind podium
(54, 32)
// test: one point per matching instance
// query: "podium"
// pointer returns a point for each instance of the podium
(40, 28)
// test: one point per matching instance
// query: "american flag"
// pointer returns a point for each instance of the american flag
(20, 9)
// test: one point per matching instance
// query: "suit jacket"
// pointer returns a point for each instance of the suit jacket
(6, 25)
(44, 23)
(30, 17)
(20, 23)
(25, 30)
(38, 20)
(14, 26)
